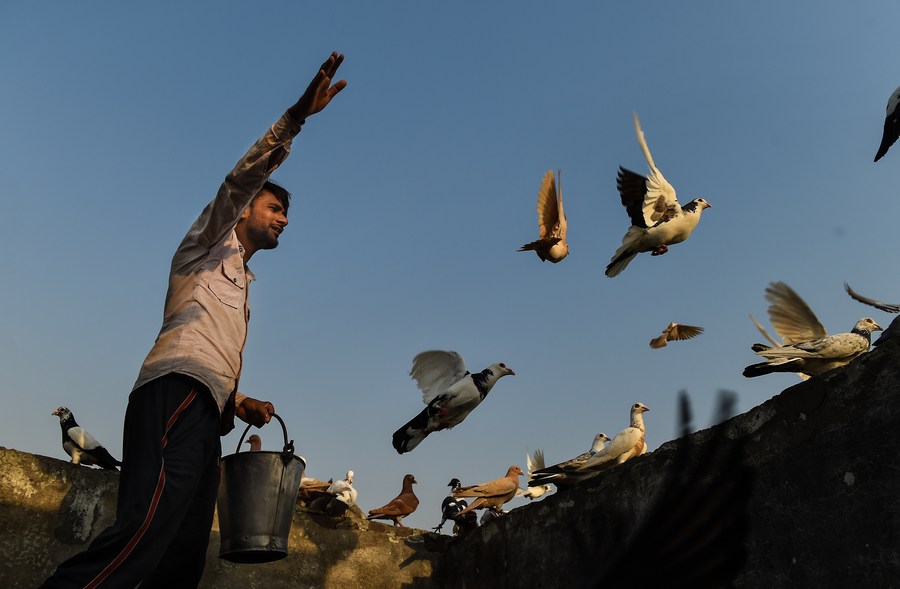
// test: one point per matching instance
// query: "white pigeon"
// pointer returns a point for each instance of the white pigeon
(449, 391)
(817, 356)
(551, 244)
(657, 219)
(891, 125)
(344, 491)
(626, 444)
(892, 330)
(562, 478)
(794, 322)
(81, 445)
(533, 463)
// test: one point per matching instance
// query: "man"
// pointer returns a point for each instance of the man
(186, 394)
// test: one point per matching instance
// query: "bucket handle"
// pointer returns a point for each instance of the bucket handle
(288, 446)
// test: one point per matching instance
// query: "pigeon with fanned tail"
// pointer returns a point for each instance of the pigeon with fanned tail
(551, 244)
(492, 495)
(402, 505)
(817, 356)
(561, 478)
(891, 125)
(657, 219)
(533, 463)
(626, 444)
(675, 332)
(450, 393)
(81, 445)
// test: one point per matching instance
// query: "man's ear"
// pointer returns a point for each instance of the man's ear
(245, 213)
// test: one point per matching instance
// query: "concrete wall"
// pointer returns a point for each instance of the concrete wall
(823, 509)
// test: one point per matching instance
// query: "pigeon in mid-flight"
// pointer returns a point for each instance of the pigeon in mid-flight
(817, 356)
(402, 505)
(657, 219)
(892, 330)
(81, 445)
(674, 332)
(551, 244)
(891, 125)
(449, 391)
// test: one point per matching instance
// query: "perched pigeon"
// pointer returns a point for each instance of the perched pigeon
(532, 464)
(402, 505)
(551, 221)
(891, 125)
(816, 356)
(675, 331)
(627, 444)
(657, 219)
(561, 478)
(344, 490)
(255, 443)
(81, 445)
(492, 495)
(450, 392)
(451, 508)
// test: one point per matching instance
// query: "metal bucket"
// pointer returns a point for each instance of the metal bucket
(256, 500)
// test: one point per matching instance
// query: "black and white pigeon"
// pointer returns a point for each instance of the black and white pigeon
(891, 125)
(892, 330)
(657, 219)
(451, 507)
(449, 391)
(551, 244)
(81, 445)
(817, 356)
(533, 463)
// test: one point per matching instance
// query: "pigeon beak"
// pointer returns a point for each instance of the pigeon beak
(510, 372)
(55, 412)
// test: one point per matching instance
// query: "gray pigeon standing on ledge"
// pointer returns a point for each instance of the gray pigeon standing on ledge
(450, 392)
(81, 445)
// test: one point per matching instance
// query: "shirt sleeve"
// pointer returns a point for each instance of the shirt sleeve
(241, 184)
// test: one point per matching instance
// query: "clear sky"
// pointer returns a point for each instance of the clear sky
(413, 191)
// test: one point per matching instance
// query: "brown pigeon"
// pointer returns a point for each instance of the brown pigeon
(675, 331)
(551, 221)
(494, 494)
(255, 443)
(404, 504)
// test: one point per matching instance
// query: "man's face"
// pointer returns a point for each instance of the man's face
(264, 220)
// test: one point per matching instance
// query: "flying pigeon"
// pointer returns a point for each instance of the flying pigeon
(402, 505)
(81, 445)
(675, 331)
(627, 444)
(562, 478)
(891, 125)
(491, 495)
(893, 330)
(532, 464)
(551, 221)
(255, 443)
(657, 219)
(449, 391)
(451, 508)
(816, 356)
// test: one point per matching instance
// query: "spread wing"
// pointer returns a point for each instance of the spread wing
(887, 307)
(549, 209)
(791, 317)
(660, 202)
(435, 371)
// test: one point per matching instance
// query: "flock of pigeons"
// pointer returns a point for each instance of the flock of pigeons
(450, 392)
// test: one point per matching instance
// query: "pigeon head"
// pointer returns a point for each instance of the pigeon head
(409, 480)
(454, 482)
(639, 407)
(514, 471)
(866, 326)
(349, 478)
(63, 413)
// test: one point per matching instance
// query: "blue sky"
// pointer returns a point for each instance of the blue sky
(413, 191)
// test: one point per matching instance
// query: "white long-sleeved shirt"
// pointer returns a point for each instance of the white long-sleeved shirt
(207, 307)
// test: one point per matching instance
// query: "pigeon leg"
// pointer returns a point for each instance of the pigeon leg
(660, 250)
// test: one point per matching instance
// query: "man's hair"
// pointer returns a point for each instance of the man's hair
(280, 192)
